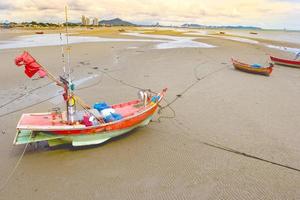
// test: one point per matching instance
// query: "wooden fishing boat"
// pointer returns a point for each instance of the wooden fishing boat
(88, 126)
(285, 62)
(55, 128)
(252, 68)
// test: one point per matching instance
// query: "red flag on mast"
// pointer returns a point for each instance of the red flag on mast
(31, 66)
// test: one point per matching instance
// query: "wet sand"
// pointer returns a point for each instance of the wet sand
(170, 158)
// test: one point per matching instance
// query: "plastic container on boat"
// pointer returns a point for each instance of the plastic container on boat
(101, 106)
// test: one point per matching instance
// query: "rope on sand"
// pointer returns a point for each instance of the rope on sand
(218, 146)
(22, 95)
(45, 100)
(215, 145)
(231, 150)
(15, 168)
(192, 85)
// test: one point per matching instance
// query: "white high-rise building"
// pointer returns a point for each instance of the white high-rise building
(95, 21)
(85, 20)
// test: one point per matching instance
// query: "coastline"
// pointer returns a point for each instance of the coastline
(167, 159)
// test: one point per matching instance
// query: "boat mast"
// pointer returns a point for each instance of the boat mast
(69, 87)
(62, 54)
(68, 47)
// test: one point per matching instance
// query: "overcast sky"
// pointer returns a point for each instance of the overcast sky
(262, 13)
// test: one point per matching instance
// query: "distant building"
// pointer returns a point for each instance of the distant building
(85, 20)
(95, 21)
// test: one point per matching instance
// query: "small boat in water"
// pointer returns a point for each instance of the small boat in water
(285, 62)
(253, 33)
(254, 69)
(39, 32)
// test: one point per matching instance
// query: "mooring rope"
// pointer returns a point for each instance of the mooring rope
(228, 149)
(15, 167)
(22, 95)
(45, 100)
(190, 86)
(198, 79)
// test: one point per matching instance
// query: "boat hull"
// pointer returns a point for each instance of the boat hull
(285, 62)
(37, 127)
(24, 137)
(247, 68)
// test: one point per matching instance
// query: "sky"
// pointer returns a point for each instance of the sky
(271, 14)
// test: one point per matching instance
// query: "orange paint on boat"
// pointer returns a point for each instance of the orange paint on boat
(248, 68)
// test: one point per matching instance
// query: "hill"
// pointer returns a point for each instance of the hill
(116, 22)
(229, 27)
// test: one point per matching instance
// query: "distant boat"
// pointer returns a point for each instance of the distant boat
(254, 69)
(286, 62)
(253, 33)
(39, 32)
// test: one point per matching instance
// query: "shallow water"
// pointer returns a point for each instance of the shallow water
(283, 36)
(54, 40)
(275, 35)
(287, 49)
(174, 41)
(239, 39)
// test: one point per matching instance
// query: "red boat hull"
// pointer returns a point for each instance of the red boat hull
(285, 62)
(110, 127)
(133, 114)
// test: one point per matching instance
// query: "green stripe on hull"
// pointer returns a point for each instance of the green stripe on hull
(26, 136)
(83, 140)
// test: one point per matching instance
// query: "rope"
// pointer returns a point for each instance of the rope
(125, 83)
(8, 113)
(15, 167)
(82, 103)
(92, 85)
(250, 156)
(190, 86)
(19, 97)
(85, 107)
(5, 114)
(231, 150)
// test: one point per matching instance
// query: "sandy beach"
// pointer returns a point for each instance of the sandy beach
(185, 152)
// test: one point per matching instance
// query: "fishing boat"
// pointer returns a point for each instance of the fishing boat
(255, 69)
(285, 62)
(88, 126)
(39, 32)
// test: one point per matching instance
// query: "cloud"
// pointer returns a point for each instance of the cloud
(271, 13)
